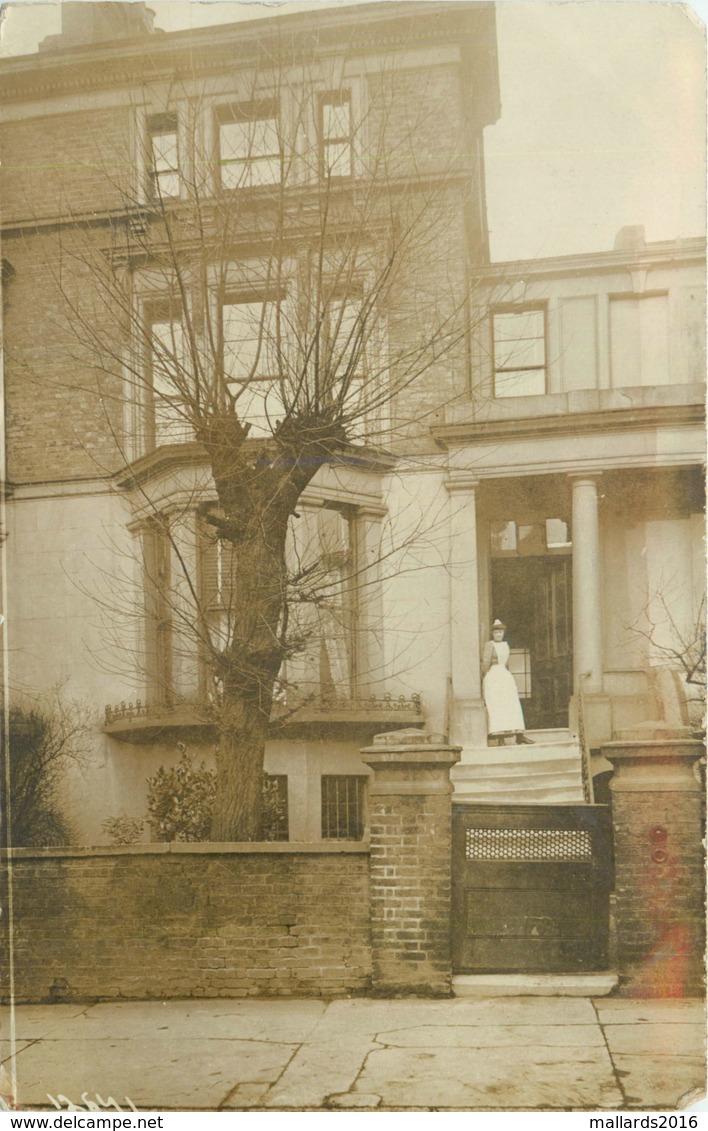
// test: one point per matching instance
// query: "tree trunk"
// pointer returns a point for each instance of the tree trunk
(240, 753)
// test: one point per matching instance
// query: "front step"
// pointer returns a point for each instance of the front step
(598, 984)
(549, 771)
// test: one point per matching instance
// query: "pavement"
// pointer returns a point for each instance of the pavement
(482, 1054)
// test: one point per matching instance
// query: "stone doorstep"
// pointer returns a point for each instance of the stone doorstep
(598, 984)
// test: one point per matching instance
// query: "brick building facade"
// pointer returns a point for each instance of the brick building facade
(544, 468)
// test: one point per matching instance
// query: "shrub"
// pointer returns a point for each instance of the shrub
(123, 829)
(38, 746)
(181, 801)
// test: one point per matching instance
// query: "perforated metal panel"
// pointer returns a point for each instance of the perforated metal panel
(528, 844)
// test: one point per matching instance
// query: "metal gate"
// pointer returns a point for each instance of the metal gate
(530, 888)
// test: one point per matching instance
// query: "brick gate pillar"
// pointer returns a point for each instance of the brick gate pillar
(656, 814)
(410, 813)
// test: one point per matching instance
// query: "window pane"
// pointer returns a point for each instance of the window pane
(259, 403)
(249, 152)
(338, 159)
(519, 340)
(249, 339)
(520, 383)
(167, 355)
(164, 151)
(557, 533)
(167, 184)
(503, 537)
(336, 118)
(343, 807)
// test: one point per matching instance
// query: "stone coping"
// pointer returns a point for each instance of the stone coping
(193, 848)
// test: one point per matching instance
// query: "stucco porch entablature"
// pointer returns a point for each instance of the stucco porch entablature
(576, 443)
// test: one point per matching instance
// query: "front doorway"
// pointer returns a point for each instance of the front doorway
(533, 596)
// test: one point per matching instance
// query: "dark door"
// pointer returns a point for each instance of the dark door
(530, 888)
(533, 596)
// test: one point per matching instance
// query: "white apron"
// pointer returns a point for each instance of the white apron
(501, 698)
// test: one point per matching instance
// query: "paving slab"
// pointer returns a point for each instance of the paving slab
(287, 1021)
(491, 1036)
(629, 1011)
(657, 1039)
(521, 1078)
(658, 1082)
(160, 1074)
(33, 1021)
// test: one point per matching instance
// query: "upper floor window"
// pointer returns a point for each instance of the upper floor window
(250, 336)
(168, 421)
(249, 144)
(163, 156)
(336, 134)
(519, 338)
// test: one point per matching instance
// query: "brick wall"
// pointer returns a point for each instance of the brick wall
(659, 892)
(410, 902)
(176, 921)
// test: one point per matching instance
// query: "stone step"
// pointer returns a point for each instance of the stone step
(529, 795)
(528, 756)
(525, 985)
(485, 777)
(558, 734)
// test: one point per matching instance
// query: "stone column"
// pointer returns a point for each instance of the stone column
(468, 724)
(370, 657)
(588, 650)
(656, 814)
(410, 813)
(587, 583)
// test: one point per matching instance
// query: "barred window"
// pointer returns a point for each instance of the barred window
(343, 806)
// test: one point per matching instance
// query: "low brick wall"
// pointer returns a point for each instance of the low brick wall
(177, 921)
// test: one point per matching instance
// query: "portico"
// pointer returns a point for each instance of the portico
(567, 527)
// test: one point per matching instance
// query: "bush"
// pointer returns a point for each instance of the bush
(43, 743)
(181, 801)
(123, 829)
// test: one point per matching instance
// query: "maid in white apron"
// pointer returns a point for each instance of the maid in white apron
(505, 717)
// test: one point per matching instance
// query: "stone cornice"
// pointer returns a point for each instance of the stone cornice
(570, 424)
(673, 253)
(176, 457)
(363, 29)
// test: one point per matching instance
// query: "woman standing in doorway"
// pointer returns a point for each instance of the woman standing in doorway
(505, 718)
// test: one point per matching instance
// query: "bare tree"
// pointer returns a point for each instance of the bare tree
(287, 307)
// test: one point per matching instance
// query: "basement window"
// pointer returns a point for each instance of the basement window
(343, 798)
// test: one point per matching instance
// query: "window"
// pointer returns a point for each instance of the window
(343, 805)
(250, 335)
(158, 621)
(336, 134)
(163, 157)
(249, 145)
(169, 422)
(337, 604)
(519, 353)
(218, 584)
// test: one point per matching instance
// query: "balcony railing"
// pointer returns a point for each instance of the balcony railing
(142, 721)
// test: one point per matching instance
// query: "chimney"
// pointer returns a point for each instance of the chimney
(630, 238)
(100, 21)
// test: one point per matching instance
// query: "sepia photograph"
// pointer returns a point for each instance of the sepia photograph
(352, 558)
